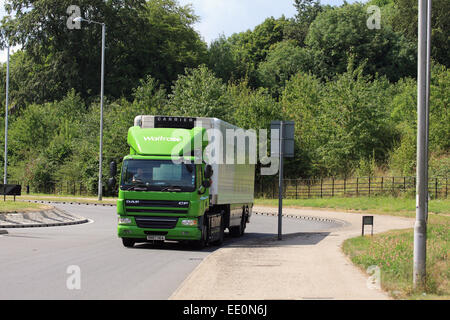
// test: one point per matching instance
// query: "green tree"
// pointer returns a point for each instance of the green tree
(300, 102)
(355, 121)
(199, 93)
(153, 37)
(342, 34)
(250, 48)
(439, 126)
(307, 11)
(172, 44)
(339, 123)
(404, 20)
(253, 109)
(42, 137)
(283, 61)
(404, 114)
(222, 60)
(402, 159)
(149, 98)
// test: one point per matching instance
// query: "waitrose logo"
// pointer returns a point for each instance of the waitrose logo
(163, 139)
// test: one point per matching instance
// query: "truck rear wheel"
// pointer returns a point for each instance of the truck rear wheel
(239, 230)
(244, 221)
(127, 242)
(235, 231)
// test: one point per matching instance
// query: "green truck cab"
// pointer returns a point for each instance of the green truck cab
(169, 189)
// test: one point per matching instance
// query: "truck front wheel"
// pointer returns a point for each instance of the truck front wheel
(200, 244)
(219, 241)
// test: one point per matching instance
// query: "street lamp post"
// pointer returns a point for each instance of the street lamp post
(423, 85)
(100, 185)
(5, 176)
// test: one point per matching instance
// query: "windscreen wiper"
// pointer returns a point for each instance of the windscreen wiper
(137, 187)
(172, 188)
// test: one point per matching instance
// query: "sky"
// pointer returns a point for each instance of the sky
(226, 16)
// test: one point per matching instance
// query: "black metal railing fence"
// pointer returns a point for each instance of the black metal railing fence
(438, 187)
(345, 187)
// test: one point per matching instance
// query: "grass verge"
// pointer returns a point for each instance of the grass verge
(377, 205)
(392, 252)
(9, 206)
(68, 198)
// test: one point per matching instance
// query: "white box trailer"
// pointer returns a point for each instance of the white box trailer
(233, 180)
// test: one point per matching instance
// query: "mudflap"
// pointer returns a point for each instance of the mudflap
(215, 226)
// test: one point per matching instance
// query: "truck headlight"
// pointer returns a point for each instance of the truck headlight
(124, 220)
(189, 222)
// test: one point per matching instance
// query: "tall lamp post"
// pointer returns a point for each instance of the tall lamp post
(100, 186)
(5, 176)
(423, 94)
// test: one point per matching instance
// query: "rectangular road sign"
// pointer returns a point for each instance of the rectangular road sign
(287, 139)
(367, 220)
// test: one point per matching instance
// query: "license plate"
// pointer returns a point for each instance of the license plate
(156, 237)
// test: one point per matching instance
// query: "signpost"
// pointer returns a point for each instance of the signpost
(10, 190)
(281, 147)
(367, 220)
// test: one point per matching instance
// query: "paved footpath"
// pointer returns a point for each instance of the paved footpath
(301, 266)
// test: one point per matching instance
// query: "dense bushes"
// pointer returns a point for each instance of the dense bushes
(351, 94)
(353, 124)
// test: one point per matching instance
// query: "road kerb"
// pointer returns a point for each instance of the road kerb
(53, 217)
(72, 202)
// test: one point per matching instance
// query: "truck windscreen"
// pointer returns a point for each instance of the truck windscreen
(157, 175)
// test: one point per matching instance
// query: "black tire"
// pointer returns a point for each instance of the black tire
(200, 244)
(127, 242)
(244, 221)
(235, 231)
(222, 231)
(239, 230)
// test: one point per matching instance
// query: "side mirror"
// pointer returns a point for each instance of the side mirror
(112, 169)
(208, 171)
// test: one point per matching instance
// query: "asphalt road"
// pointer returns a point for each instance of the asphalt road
(35, 263)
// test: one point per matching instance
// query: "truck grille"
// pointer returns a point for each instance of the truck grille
(133, 210)
(156, 222)
(157, 203)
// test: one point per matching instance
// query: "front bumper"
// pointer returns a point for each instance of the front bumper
(177, 233)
